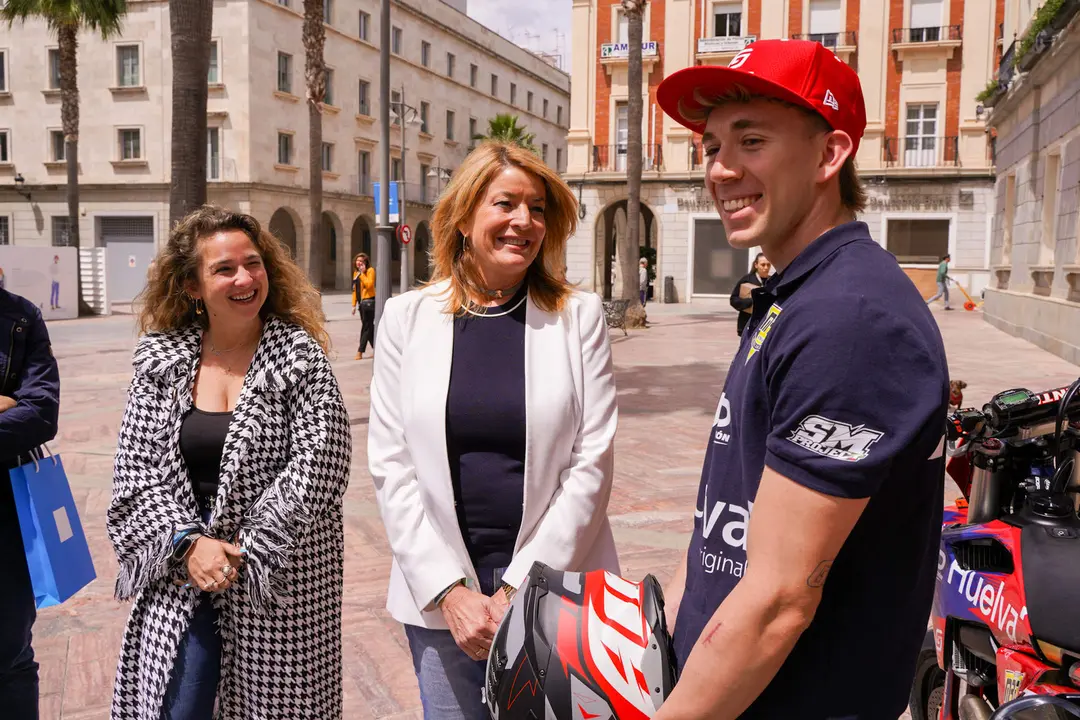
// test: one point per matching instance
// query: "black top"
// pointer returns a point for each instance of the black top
(202, 440)
(840, 384)
(741, 303)
(485, 430)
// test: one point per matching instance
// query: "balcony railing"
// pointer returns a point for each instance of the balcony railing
(697, 156)
(1007, 67)
(921, 152)
(830, 40)
(613, 158)
(927, 34)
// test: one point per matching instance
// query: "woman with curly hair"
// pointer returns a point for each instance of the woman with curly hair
(230, 467)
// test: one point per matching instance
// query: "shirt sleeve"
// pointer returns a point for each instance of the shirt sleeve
(855, 392)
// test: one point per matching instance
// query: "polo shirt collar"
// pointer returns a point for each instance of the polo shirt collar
(814, 253)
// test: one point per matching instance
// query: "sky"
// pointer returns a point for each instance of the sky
(542, 25)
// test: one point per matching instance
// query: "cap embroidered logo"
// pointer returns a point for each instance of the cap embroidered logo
(742, 57)
(830, 100)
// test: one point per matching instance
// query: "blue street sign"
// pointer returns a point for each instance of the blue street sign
(393, 201)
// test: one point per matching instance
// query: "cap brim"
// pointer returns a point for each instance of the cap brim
(676, 94)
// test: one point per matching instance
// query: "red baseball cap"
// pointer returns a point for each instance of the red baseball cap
(800, 72)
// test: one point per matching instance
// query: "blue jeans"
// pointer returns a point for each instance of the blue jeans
(193, 686)
(450, 681)
(18, 609)
(54, 294)
(942, 291)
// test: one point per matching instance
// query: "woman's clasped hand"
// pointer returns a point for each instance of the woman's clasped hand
(213, 565)
(473, 619)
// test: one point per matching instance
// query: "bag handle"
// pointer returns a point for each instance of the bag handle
(37, 456)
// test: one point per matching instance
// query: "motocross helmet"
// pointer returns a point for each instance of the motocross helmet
(581, 646)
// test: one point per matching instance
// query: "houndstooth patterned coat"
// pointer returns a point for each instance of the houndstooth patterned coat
(284, 470)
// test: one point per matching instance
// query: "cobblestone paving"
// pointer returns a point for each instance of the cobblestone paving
(669, 378)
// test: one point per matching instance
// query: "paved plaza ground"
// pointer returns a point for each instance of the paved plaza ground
(669, 378)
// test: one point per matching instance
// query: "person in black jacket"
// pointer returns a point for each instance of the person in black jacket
(29, 409)
(757, 276)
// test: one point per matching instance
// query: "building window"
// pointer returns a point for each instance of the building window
(328, 157)
(545, 108)
(622, 27)
(3, 71)
(920, 137)
(558, 159)
(365, 97)
(925, 20)
(395, 107)
(54, 69)
(543, 152)
(826, 22)
(450, 124)
(450, 62)
(213, 153)
(528, 100)
(1051, 185)
(5, 150)
(284, 149)
(214, 75)
(328, 11)
(424, 108)
(284, 72)
(57, 147)
(513, 93)
(494, 85)
(425, 53)
(472, 132)
(727, 20)
(424, 169)
(364, 161)
(61, 231)
(918, 241)
(127, 60)
(365, 25)
(474, 71)
(283, 3)
(395, 40)
(5, 231)
(328, 95)
(130, 144)
(622, 134)
(558, 115)
(395, 169)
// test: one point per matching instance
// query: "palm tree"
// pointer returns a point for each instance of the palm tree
(629, 243)
(504, 126)
(190, 23)
(67, 18)
(315, 75)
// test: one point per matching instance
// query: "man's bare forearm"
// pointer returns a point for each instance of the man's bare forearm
(739, 652)
(673, 593)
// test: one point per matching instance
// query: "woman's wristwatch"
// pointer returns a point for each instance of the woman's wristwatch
(184, 543)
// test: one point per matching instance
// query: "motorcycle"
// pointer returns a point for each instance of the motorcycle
(1005, 632)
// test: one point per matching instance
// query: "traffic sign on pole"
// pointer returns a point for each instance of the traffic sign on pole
(404, 233)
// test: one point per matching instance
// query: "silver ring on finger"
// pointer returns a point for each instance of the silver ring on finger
(226, 570)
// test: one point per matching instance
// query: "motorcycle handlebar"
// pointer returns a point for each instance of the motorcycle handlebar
(998, 417)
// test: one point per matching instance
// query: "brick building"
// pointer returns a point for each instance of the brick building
(926, 158)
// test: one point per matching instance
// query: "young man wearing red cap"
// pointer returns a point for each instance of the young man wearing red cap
(808, 581)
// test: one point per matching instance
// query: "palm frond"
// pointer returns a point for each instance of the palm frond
(103, 16)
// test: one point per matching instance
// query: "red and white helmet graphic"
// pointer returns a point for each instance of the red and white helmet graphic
(581, 646)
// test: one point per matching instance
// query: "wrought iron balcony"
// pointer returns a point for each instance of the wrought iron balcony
(613, 158)
(944, 33)
(830, 40)
(1007, 67)
(919, 151)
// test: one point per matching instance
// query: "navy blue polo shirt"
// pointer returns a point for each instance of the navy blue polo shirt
(841, 385)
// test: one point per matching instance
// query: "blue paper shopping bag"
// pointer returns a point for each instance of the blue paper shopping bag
(53, 538)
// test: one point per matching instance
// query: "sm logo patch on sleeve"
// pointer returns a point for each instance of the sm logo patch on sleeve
(835, 439)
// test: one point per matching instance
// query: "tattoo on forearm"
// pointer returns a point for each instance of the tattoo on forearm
(708, 638)
(817, 578)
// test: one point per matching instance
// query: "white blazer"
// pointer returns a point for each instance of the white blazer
(571, 417)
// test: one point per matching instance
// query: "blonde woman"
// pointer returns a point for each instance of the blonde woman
(492, 419)
(232, 460)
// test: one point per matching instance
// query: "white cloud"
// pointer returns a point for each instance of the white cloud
(541, 25)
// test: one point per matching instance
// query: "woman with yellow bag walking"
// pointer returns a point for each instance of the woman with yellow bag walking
(363, 297)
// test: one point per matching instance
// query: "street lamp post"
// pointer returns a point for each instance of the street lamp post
(384, 230)
(407, 115)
